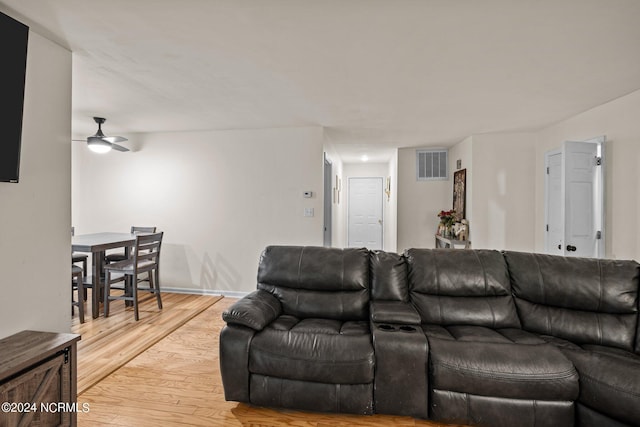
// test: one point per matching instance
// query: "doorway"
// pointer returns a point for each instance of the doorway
(365, 213)
(574, 199)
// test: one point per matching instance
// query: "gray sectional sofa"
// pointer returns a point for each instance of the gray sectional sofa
(476, 337)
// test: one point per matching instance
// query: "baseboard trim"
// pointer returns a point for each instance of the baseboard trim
(195, 291)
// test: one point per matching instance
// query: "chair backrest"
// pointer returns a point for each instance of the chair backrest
(136, 229)
(587, 301)
(146, 252)
(461, 287)
(316, 282)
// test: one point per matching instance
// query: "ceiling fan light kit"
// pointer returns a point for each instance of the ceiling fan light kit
(99, 143)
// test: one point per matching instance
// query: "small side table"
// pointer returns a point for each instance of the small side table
(445, 242)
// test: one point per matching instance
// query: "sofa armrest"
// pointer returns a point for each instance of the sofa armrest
(394, 312)
(254, 311)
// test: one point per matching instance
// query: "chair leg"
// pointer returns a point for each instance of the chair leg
(134, 292)
(155, 286)
(107, 292)
(80, 284)
(80, 302)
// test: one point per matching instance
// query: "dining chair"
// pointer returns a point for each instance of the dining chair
(79, 257)
(120, 256)
(77, 278)
(145, 259)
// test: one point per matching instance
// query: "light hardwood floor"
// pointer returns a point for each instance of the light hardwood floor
(109, 343)
(176, 382)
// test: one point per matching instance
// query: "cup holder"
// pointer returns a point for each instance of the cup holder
(393, 328)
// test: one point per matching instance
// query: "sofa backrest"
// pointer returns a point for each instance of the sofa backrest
(587, 301)
(389, 277)
(461, 287)
(316, 282)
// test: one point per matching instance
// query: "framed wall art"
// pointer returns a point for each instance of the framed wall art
(460, 194)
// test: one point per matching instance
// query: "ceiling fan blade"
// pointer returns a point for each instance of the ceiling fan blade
(79, 140)
(119, 147)
(113, 139)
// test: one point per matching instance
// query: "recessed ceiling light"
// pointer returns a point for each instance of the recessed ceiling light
(364, 158)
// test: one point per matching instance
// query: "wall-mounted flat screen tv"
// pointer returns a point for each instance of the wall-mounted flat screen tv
(13, 64)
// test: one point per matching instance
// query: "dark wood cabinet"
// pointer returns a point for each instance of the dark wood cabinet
(38, 379)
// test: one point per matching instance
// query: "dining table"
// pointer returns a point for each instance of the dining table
(97, 244)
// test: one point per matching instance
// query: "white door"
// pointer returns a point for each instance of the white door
(580, 169)
(574, 210)
(555, 220)
(365, 213)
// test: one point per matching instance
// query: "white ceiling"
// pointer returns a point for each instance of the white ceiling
(374, 73)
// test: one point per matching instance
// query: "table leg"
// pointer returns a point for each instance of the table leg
(95, 292)
(127, 279)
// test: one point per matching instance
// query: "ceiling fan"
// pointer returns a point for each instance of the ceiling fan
(100, 143)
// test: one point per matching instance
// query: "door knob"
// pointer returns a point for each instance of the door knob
(380, 221)
(571, 248)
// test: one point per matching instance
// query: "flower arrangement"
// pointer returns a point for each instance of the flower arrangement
(447, 218)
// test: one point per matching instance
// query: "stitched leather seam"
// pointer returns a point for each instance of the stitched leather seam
(613, 387)
(331, 334)
(484, 275)
(300, 266)
(437, 270)
(544, 297)
(314, 360)
(511, 376)
(600, 285)
(468, 402)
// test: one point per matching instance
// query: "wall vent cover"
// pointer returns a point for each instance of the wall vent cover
(432, 165)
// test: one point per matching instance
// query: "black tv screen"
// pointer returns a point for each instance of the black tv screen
(13, 59)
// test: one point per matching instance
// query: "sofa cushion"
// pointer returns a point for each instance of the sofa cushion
(461, 287)
(321, 350)
(507, 363)
(317, 282)
(609, 381)
(587, 301)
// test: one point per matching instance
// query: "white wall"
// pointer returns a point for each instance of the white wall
(618, 120)
(503, 191)
(419, 203)
(35, 251)
(220, 198)
(500, 202)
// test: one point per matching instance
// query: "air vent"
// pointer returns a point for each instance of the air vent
(431, 165)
